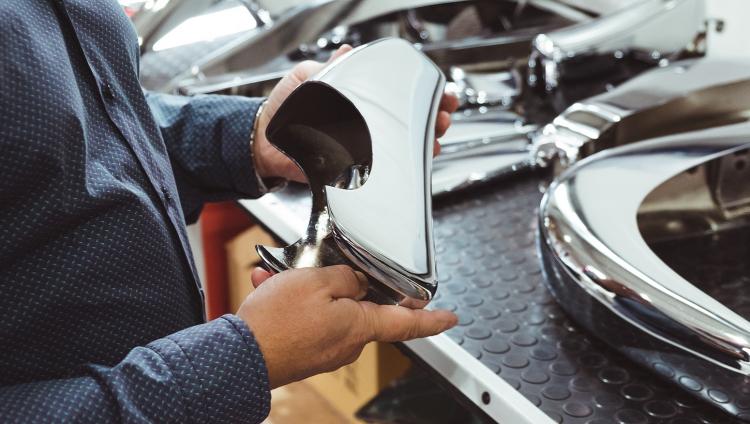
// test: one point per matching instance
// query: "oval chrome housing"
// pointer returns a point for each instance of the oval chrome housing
(362, 130)
(607, 277)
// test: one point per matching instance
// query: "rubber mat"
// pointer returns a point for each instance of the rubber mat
(490, 275)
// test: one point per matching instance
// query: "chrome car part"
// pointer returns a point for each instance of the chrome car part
(591, 48)
(362, 131)
(478, 76)
(269, 41)
(481, 147)
(453, 33)
(598, 224)
(684, 96)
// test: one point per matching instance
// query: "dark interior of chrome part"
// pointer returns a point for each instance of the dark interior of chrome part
(330, 143)
(332, 146)
(462, 19)
(698, 223)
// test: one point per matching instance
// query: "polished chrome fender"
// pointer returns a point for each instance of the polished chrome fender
(607, 277)
(362, 131)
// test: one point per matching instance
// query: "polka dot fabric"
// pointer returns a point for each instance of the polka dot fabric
(100, 304)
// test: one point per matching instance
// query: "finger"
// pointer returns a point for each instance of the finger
(342, 281)
(442, 123)
(449, 102)
(304, 70)
(390, 323)
(436, 148)
(258, 276)
(344, 49)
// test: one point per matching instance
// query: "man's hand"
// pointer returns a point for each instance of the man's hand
(309, 321)
(270, 162)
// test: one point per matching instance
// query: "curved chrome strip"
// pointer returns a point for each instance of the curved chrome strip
(686, 95)
(593, 248)
(639, 28)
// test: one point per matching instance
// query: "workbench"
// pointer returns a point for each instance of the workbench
(515, 354)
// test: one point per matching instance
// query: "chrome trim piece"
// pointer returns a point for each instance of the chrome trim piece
(686, 95)
(605, 274)
(367, 154)
(683, 96)
(638, 29)
(287, 31)
(479, 148)
(308, 21)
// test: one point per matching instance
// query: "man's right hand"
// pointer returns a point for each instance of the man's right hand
(309, 321)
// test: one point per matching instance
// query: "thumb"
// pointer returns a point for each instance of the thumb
(390, 323)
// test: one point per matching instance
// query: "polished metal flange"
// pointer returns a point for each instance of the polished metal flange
(362, 131)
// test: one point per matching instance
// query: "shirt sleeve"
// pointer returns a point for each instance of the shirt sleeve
(208, 142)
(212, 372)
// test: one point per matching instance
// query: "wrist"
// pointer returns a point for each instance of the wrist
(258, 140)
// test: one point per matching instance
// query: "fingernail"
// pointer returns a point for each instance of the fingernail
(451, 322)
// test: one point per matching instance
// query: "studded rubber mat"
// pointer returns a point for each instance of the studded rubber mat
(490, 275)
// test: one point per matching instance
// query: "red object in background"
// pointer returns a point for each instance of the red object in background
(220, 222)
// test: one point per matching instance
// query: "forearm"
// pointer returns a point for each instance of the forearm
(208, 142)
(212, 372)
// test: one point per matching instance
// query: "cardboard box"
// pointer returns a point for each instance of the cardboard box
(351, 387)
(346, 389)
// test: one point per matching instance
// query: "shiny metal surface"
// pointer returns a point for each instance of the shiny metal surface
(684, 96)
(367, 154)
(451, 33)
(595, 222)
(152, 15)
(479, 148)
(265, 44)
(490, 275)
(591, 48)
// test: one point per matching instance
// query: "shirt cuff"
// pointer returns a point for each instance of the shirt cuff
(263, 184)
(220, 371)
(236, 150)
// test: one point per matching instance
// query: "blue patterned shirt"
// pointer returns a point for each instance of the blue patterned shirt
(101, 315)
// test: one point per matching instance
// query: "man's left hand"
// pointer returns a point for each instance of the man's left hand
(272, 163)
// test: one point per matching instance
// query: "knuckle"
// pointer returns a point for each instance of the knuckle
(414, 329)
(368, 323)
(345, 273)
(307, 277)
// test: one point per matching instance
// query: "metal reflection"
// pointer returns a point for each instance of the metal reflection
(598, 223)
(362, 131)
(592, 48)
